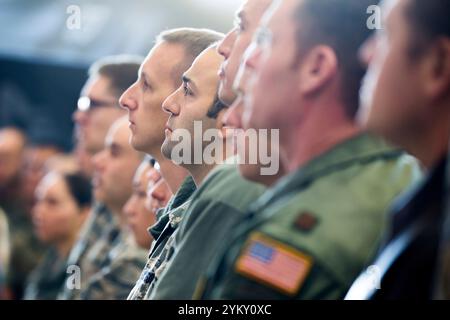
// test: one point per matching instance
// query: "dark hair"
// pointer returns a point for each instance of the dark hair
(150, 160)
(79, 187)
(194, 41)
(430, 19)
(341, 25)
(121, 70)
(216, 107)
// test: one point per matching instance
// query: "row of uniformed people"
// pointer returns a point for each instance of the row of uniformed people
(309, 230)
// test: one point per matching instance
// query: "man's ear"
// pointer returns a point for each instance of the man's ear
(437, 70)
(317, 68)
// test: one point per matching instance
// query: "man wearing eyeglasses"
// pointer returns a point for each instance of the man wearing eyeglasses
(98, 108)
(98, 105)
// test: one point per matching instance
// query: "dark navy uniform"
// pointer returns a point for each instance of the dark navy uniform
(408, 260)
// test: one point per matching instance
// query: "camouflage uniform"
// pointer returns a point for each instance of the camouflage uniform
(122, 268)
(310, 235)
(47, 279)
(216, 207)
(4, 251)
(26, 249)
(168, 222)
(90, 252)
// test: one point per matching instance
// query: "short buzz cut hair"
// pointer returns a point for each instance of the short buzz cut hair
(341, 25)
(121, 70)
(193, 40)
(428, 20)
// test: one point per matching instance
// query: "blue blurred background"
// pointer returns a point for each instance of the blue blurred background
(44, 53)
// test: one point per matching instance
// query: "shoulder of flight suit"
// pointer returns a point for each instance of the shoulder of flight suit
(311, 243)
(218, 205)
(157, 260)
(225, 188)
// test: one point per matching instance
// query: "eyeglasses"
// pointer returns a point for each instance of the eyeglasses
(86, 104)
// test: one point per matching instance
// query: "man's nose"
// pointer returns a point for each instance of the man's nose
(128, 208)
(225, 46)
(232, 117)
(80, 117)
(367, 50)
(169, 105)
(127, 100)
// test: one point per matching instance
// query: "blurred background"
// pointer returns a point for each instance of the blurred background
(46, 47)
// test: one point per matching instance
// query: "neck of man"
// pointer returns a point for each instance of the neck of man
(326, 126)
(174, 175)
(430, 144)
(200, 171)
(270, 180)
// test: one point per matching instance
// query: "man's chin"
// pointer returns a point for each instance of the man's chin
(166, 150)
(137, 144)
(226, 96)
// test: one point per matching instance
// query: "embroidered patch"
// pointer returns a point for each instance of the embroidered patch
(305, 221)
(274, 263)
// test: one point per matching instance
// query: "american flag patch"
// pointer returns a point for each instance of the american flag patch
(274, 263)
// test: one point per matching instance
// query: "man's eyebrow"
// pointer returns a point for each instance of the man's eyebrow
(241, 15)
(136, 185)
(143, 75)
(114, 146)
(239, 90)
(239, 18)
(187, 80)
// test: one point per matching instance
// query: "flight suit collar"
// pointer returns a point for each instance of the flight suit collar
(185, 191)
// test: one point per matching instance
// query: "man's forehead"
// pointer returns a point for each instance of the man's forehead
(162, 58)
(206, 65)
(118, 134)
(390, 10)
(280, 13)
(96, 85)
(141, 178)
(251, 10)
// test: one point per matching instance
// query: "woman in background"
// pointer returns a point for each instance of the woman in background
(150, 192)
(63, 202)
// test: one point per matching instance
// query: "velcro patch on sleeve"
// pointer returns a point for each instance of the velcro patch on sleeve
(273, 263)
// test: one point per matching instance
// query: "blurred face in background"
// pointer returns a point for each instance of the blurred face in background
(273, 63)
(57, 218)
(35, 167)
(139, 218)
(233, 119)
(98, 108)
(115, 167)
(403, 88)
(158, 195)
(234, 44)
(144, 98)
(12, 145)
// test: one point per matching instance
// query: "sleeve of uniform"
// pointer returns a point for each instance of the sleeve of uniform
(199, 243)
(266, 268)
